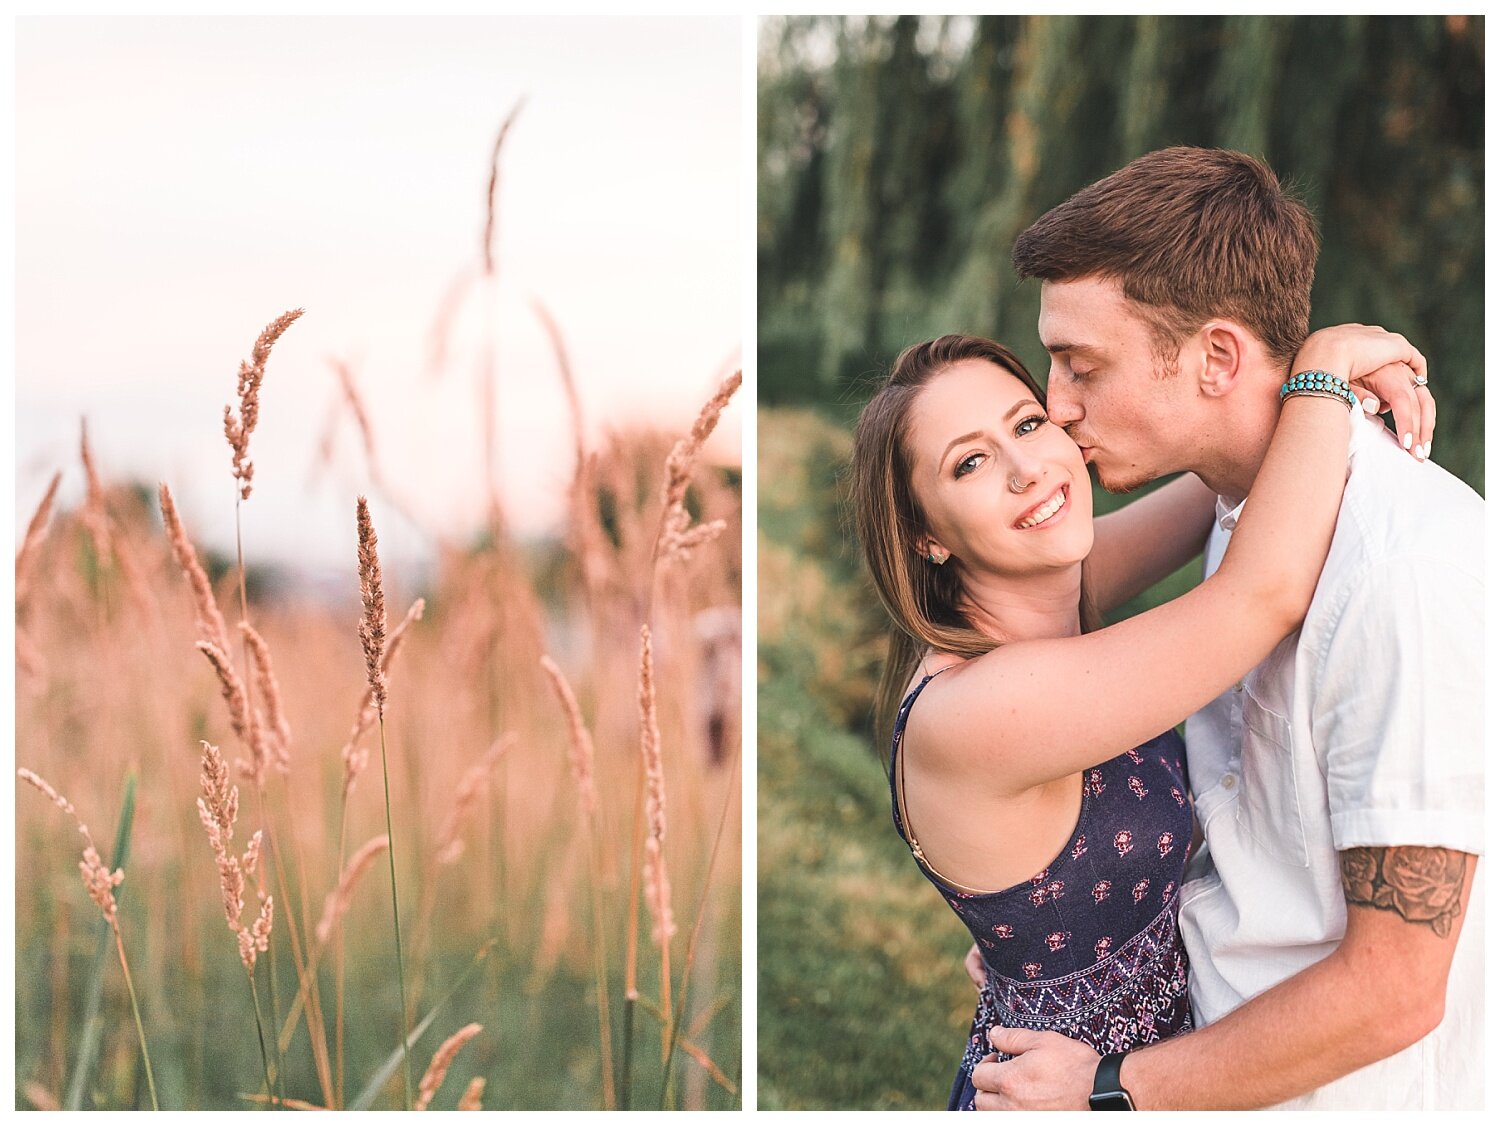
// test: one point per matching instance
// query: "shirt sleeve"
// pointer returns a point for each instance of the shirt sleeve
(1398, 711)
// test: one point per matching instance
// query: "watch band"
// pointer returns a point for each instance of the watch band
(1108, 1092)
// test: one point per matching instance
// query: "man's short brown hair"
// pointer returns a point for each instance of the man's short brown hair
(1191, 234)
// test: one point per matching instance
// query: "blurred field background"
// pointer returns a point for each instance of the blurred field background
(580, 511)
(899, 158)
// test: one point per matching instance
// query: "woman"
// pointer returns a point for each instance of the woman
(1036, 758)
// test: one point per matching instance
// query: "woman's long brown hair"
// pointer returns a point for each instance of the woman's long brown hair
(923, 600)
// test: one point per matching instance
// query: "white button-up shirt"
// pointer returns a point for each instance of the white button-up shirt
(1364, 728)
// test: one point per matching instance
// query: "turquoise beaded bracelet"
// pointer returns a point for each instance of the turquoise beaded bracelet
(1319, 383)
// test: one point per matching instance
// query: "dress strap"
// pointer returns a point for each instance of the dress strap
(898, 786)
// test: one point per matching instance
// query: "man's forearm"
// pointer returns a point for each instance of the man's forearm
(1309, 1030)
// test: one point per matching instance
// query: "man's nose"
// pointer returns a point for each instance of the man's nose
(1063, 407)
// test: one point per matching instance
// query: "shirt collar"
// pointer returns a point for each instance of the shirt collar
(1227, 511)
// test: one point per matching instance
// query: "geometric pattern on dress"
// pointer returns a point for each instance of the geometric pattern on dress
(1134, 998)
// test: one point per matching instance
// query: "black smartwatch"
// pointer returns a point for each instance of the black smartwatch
(1108, 1093)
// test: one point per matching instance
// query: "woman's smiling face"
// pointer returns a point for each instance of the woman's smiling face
(1002, 489)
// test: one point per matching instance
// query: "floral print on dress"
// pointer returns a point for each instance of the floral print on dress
(1103, 963)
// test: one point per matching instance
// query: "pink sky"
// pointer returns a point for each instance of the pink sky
(180, 182)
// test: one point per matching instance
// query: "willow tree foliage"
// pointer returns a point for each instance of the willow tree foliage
(901, 156)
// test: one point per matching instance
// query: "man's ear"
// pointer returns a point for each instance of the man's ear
(1224, 348)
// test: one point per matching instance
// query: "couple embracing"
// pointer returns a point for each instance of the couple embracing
(1281, 909)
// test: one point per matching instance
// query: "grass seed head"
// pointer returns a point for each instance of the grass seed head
(442, 1060)
(336, 905)
(658, 888)
(31, 544)
(372, 595)
(237, 430)
(278, 729)
(473, 1097)
(210, 621)
(581, 743)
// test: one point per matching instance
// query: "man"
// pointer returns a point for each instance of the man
(1332, 921)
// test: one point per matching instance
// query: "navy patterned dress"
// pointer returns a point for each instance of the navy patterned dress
(1087, 947)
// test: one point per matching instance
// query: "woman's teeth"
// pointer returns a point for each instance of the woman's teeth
(1046, 512)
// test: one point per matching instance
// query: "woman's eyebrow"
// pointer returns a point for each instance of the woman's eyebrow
(1020, 405)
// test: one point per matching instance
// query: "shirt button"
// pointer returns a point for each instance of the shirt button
(1240, 687)
(1228, 782)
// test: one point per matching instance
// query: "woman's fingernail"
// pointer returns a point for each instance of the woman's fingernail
(1406, 442)
(1421, 452)
(1372, 405)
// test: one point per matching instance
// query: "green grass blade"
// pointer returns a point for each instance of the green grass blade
(366, 1098)
(88, 1042)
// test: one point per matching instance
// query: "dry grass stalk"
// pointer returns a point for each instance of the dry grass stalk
(442, 322)
(210, 621)
(101, 884)
(354, 756)
(279, 730)
(473, 1097)
(580, 742)
(97, 877)
(565, 372)
(95, 518)
(658, 889)
(135, 580)
(218, 809)
(29, 659)
(361, 416)
(372, 596)
(442, 1060)
(39, 1096)
(246, 721)
(676, 539)
(336, 906)
(584, 531)
(32, 542)
(466, 797)
(584, 535)
(252, 371)
(492, 193)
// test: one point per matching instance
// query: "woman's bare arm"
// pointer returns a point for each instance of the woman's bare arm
(1142, 543)
(1032, 712)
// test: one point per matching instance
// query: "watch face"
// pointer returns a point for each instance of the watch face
(1111, 1100)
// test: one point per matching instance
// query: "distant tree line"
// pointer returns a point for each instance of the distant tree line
(901, 156)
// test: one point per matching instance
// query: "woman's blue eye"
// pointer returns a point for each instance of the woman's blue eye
(1030, 425)
(967, 465)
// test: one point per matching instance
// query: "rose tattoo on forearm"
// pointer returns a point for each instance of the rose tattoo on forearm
(1422, 885)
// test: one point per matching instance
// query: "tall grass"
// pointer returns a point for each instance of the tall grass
(507, 818)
